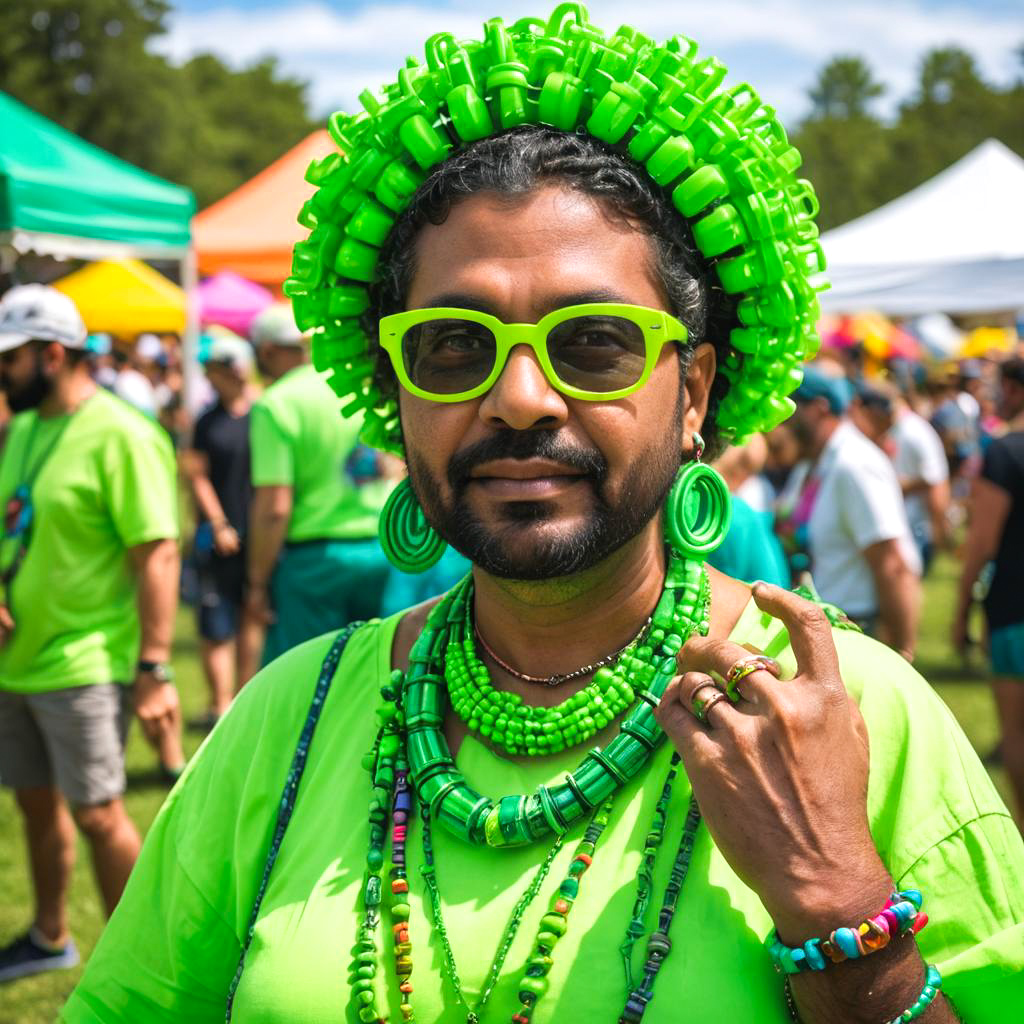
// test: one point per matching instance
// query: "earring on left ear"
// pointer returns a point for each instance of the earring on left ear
(698, 509)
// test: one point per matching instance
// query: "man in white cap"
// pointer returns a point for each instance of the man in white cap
(314, 562)
(88, 593)
(217, 467)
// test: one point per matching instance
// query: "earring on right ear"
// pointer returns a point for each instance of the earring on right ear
(408, 540)
(698, 509)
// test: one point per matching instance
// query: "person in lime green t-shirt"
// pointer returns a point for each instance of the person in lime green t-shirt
(314, 562)
(89, 572)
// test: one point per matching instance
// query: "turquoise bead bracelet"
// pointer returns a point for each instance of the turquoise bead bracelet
(900, 915)
(932, 987)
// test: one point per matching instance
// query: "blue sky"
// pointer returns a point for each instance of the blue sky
(343, 46)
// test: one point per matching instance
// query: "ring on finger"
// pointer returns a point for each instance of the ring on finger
(702, 708)
(698, 704)
(745, 667)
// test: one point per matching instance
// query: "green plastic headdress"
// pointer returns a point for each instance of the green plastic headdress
(721, 154)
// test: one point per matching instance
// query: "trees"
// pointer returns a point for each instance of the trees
(857, 161)
(89, 68)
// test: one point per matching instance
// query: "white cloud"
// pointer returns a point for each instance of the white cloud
(776, 44)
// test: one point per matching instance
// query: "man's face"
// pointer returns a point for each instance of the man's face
(527, 483)
(23, 376)
(225, 380)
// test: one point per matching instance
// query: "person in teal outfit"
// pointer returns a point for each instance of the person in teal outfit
(596, 780)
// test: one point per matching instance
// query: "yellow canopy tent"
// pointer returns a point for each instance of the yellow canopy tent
(125, 298)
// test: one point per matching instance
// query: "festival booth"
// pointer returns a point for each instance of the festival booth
(231, 301)
(252, 230)
(125, 298)
(61, 196)
(953, 244)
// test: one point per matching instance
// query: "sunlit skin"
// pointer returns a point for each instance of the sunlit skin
(781, 777)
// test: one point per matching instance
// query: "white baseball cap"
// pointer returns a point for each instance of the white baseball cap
(230, 350)
(276, 326)
(36, 311)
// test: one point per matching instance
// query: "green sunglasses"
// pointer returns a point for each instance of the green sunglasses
(596, 351)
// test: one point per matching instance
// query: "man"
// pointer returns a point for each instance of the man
(217, 467)
(314, 562)
(539, 341)
(863, 558)
(90, 574)
(882, 414)
(996, 533)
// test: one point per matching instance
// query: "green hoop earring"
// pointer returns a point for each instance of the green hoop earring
(408, 540)
(698, 509)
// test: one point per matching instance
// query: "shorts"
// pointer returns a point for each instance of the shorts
(1006, 650)
(71, 738)
(319, 586)
(221, 586)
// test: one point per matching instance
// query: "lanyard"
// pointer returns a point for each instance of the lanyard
(18, 514)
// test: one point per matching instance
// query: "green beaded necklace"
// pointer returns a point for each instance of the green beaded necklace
(410, 743)
(518, 728)
(682, 610)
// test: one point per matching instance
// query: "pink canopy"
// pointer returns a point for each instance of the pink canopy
(231, 301)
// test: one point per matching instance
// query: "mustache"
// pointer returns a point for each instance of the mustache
(524, 444)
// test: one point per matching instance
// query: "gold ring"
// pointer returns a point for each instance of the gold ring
(745, 667)
(701, 707)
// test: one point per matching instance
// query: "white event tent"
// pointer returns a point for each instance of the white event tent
(954, 244)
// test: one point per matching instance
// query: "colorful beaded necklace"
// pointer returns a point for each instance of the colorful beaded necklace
(410, 744)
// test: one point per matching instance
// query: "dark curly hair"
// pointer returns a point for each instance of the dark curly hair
(520, 160)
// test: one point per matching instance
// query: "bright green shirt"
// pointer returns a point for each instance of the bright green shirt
(107, 484)
(299, 439)
(936, 820)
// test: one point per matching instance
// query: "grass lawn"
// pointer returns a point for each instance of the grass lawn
(36, 1000)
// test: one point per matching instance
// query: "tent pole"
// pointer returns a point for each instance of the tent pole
(191, 370)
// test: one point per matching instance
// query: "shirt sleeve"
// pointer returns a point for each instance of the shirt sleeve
(201, 435)
(141, 487)
(273, 461)
(870, 504)
(1000, 468)
(975, 932)
(932, 466)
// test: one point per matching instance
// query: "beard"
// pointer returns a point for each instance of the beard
(29, 395)
(526, 543)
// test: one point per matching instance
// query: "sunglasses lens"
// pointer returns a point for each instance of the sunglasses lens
(597, 353)
(448, 356)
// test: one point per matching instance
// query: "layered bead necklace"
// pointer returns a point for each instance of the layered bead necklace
(411, 764)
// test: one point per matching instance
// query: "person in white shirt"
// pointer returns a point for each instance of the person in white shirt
(863, 558)
(918, 457)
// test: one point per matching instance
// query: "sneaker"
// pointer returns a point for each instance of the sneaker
(25, 956)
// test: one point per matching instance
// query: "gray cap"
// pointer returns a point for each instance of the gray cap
(276, 326)
(230, 350)
(36, 311)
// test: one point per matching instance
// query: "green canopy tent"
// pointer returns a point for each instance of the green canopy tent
(62, 196)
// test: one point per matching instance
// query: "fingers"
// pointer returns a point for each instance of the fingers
(810, 634)
(738, 670)
(675, 716)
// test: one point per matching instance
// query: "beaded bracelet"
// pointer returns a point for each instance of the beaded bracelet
(932, 987)
(899, 916)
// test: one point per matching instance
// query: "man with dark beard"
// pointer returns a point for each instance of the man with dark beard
(506, 796)
(89, 569)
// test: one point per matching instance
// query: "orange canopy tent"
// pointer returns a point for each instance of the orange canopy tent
(252, 230)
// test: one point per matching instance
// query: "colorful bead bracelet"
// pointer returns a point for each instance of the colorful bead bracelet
(900, 915)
